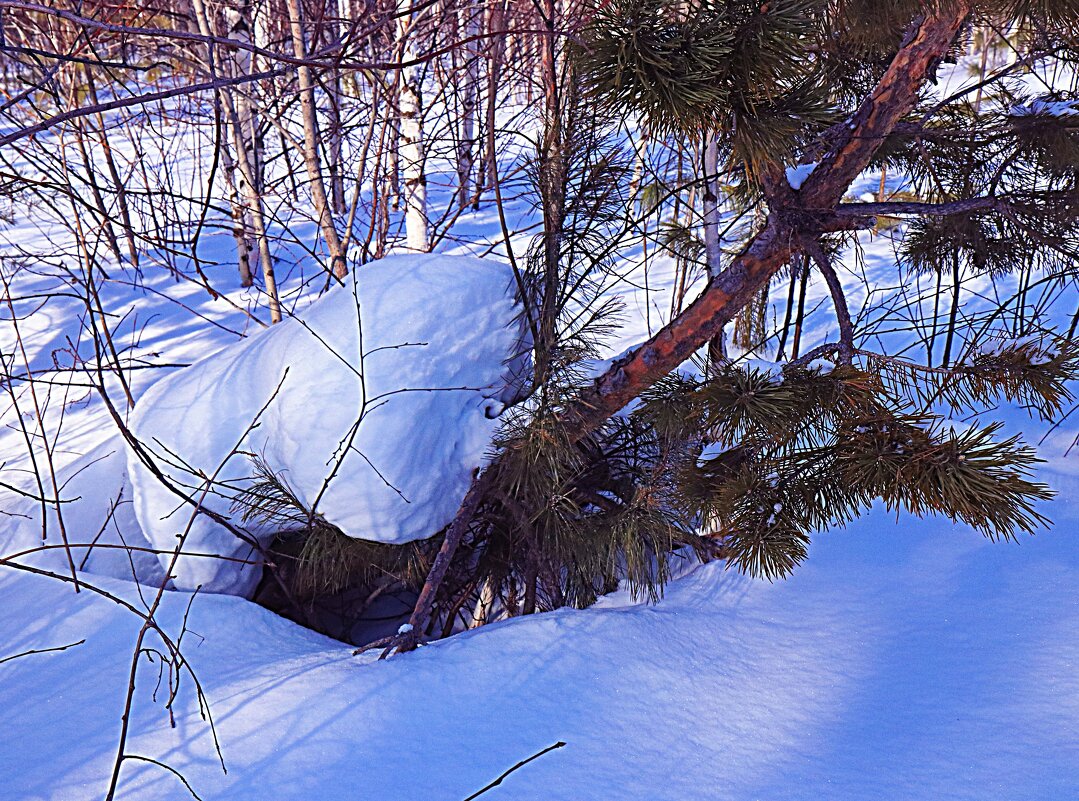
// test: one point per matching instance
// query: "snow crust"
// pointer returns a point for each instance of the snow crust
(375, 405)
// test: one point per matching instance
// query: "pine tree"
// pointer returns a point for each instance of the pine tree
(604, 479)
(743, 464)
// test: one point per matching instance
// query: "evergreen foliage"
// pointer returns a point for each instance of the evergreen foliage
(787, 454)
(737, 70)
(723, 458)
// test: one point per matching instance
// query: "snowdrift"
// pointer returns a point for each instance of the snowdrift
(375, 406)
(905, 662)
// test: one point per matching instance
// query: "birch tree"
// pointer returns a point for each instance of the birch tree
(410, 114)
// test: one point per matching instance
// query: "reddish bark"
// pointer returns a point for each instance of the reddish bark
(796, 218)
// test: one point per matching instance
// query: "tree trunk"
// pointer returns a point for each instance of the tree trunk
(893, 98)
(495, 51)
(410, 109)
(245, 247)
(713, 250)
(338, 265)
(552, 190)
(466, 146)
(335, 135)
(114, 174)
(247, 183)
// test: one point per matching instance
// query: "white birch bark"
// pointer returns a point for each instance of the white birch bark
(410, 111)
(466, 148)
(713, 252)
(245, 182)
(335, 135)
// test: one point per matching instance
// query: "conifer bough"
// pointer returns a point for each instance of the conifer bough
(798, 217)
(806, 214)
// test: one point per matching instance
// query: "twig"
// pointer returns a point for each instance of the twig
(42, 650)
(519, 765)
(835, 287)
(171, 770)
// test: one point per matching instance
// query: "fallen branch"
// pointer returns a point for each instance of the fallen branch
(519, 765)
(796, 218)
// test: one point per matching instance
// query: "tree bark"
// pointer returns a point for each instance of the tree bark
(466, 147)
(336, 132)
(247, 185)
(552, 190)
(713, 248)
(410, 108)
(338, 265)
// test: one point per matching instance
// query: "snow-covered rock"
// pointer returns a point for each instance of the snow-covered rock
(377, 404)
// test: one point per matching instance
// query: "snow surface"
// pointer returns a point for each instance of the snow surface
(906, 660)
(378, 410)
(902, 662)
(1046, 107)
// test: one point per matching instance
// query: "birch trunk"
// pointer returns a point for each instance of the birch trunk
(244, 179)
(467, 145)
(335, 135)
(241, 225)
(713, 250)
(410, 111)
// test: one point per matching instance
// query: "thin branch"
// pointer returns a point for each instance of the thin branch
(895, 208)
(42, 651)
(519, 765)
(835, 287)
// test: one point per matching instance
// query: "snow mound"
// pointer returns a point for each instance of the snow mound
(375, 406)
(103, 536)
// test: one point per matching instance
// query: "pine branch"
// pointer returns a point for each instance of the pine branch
(763, 256)
(896, 208)
(895, 96)
(996, 203)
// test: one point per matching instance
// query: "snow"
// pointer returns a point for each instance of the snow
(907, 659)
(1046, 107)
(423, 363)
(796, 176)
(1033, 346)
(901, 662)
